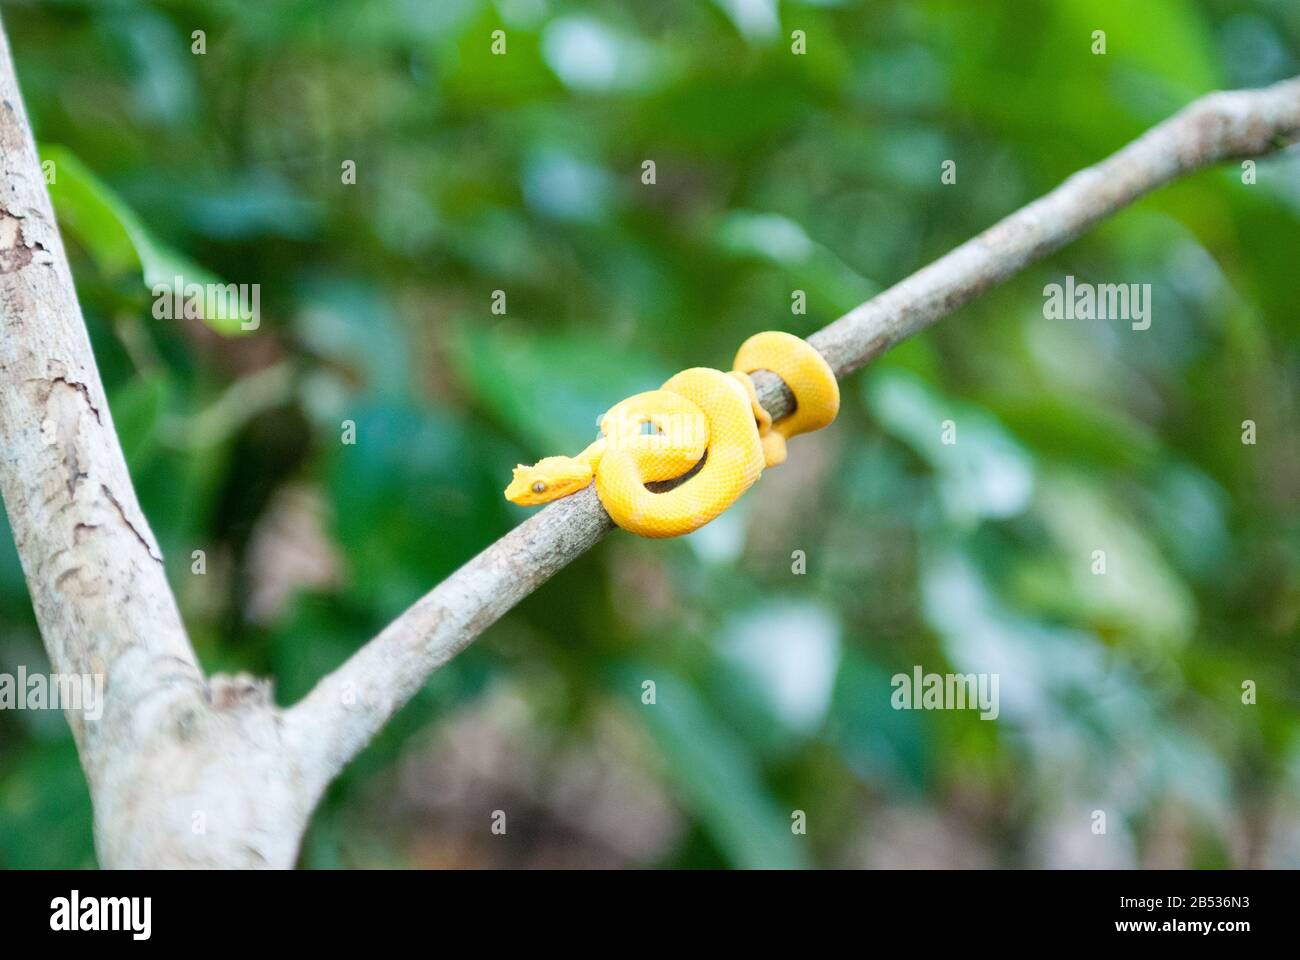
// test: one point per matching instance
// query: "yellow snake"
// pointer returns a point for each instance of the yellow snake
(698, 414)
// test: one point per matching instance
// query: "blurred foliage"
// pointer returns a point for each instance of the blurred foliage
(522, 173)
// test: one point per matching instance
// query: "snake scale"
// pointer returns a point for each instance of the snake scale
(698, 415)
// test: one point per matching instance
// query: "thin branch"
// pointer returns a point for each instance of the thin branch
(349, 706)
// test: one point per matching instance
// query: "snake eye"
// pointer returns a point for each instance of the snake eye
(539, 487)
(648, 428)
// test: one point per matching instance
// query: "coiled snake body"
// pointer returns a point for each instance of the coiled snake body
(698, 414)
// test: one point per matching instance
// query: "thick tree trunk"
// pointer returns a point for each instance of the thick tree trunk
(180, 773)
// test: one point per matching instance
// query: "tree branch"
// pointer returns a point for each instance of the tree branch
(169, 759)
(92, 565)
(348, 707)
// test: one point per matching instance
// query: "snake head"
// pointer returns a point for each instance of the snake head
(548, 479)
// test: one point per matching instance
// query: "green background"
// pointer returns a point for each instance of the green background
(774, 172)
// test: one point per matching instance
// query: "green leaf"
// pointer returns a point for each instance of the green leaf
(777, 239)
(414, 497)
(45, 814)
(982, 471)
(114, 236)
(716, 774)
(879, 743)
(138, 407)
(1140, 598)
(1059, 426)
(551, 390)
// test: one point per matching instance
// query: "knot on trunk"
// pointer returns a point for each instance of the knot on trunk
(238, 691)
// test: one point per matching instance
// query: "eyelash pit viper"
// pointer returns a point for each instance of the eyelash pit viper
(698, 414)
